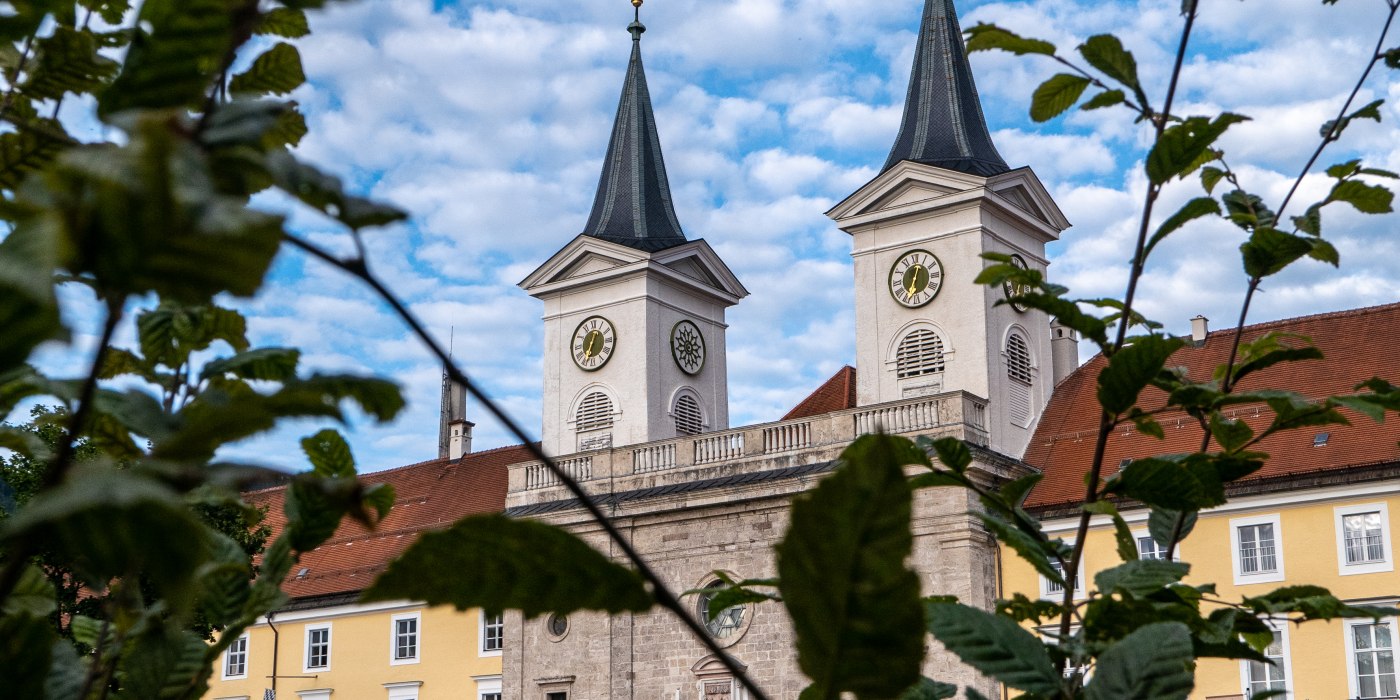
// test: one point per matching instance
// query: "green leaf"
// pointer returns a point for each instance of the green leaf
(1311, 221)
(33, 595)
(284, 22)
(497, 563)
(324, 193)
(329, 454)
(27, 150)
(1056, 95)
(1246, 210)
(1210, 177)
(1131, 369)
(163, 662)
(929, 689)
(26, 648)
(1232, 434)
(995, 646)
(1155, 662)
(177, 48)
(1161, 522)
(114, 523)
(1313, 603)
(987, 37)
(843, 576)
(67, 61)
(1036, 551)
(1127, 543)
(1182, 144)
(1268, 350)
(1190, 483)
(1106, 53)
(276, 71)
(953, 453)
(267, 364)
(1269, 250)
(1194, 209)
(1107, 98)
(1367, 199)
(1141, 577)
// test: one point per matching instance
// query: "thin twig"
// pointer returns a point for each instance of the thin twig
(1106, 422)
(1332, 134)
(359, 268)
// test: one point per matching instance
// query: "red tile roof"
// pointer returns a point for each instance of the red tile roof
(835, 394)
(1357, 345)
(430, 495)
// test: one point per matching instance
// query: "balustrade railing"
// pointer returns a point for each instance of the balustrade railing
(538, 476)
(653, 458)
(718, 448)
(899, 418)
(787, 436)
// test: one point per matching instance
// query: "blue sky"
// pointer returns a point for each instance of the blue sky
(488, 122)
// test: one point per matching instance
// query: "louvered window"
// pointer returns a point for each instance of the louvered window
(594, 412)
(687, 414)
(1018, 359)
(920, 353)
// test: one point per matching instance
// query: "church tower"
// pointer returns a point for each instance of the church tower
(944, 198)
(634, 346)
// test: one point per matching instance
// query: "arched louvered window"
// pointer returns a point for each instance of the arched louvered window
(594, 412)
(1018, 358)
(920, 353)
(1018, 370)
(687, 415)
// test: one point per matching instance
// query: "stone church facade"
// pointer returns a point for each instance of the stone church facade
(635, 389)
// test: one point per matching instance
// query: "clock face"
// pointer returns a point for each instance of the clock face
(688, 347)
(1011, 289)
(593, 343)
(916, 278)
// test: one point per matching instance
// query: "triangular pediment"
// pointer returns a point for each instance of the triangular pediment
(906, 186)
(1023, 190)
(582, 259)
(697, 262)
(690, 267)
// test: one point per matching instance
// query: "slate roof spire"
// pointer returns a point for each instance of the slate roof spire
(943, 124)
(633, 205)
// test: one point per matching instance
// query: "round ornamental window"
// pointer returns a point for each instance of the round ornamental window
(727, 623)
(556, 626)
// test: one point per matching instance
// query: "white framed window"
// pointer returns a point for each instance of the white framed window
(318, 648)
(1256, 544)
(488, 687)
(1052, 591)
(403, 690)
(1371, 659)
(1363, 539)
(236, 658)
(492, 633)
(405, 638)
(1257, 677)
(1149, 548)
(920, 353)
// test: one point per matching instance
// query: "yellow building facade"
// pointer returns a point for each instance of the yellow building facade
(1306, 540)
(394, 651)
(323, 644)
(1318, 512)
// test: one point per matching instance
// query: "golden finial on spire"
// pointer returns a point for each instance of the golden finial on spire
(637, 3)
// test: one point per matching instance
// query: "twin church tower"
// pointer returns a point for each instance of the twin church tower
(634, 312)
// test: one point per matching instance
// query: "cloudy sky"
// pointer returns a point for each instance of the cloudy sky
(488, 121)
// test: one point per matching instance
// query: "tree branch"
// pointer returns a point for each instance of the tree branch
(664, 597)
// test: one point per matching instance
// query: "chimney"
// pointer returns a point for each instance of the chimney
(1064, 350)
(1200, 328)
(459, 440)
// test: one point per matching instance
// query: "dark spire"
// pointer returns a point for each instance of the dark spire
(943, 124)
(633, 204)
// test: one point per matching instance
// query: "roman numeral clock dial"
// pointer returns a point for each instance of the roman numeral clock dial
(593, 343)
(916, 278)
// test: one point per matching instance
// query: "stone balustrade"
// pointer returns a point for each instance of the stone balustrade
(954, 412)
